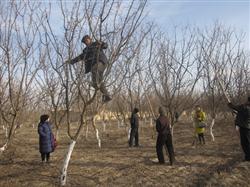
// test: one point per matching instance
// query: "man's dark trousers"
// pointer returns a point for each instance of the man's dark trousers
(134, 135)
(165, 140)
(245, 142)
(97, 77)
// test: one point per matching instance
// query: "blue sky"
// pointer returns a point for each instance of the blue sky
(202, 13)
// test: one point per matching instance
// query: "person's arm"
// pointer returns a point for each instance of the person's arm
(132, 120)
(234, 107)
(158, 126)
(101, 44)
(41, 131)
(76, 59)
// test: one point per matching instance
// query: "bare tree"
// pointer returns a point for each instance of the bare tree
(221, 52)
(170, 69)
(18, 49)
(96, 16)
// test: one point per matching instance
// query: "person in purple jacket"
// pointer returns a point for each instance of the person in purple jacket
(45, 138)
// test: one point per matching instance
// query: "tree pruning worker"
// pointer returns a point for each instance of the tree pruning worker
(199, 118)
(134, 133)
(95, 62)
(242, 121)
(164, 138)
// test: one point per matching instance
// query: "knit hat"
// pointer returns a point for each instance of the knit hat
(44, 118)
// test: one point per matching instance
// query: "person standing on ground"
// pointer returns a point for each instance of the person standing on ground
(176, 115)
(164, 138)
(45, 138)
(95, 62)
(242, 122)
(199, 118)
(134, 134)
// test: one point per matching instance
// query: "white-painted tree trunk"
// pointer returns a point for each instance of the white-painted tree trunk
(172, 131)
(129, 130)
(4, 147)
(6, 132)
(151, 122)
(66, 163)
(96, 132)
(98, 138)
(118, 123)
(104, 126)
(211, 129)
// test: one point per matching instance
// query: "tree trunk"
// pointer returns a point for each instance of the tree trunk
(96, 132)
(66, 163)
(4, 147)
(211, 129)
(129, 130)
(104, 126)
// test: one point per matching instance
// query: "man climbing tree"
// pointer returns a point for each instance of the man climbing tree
(242, 121)
(95, 62)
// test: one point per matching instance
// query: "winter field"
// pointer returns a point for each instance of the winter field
(217, 163)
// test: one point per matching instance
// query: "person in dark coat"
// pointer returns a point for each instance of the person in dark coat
(45, 138)
(242, 122)
(134, 134)
(176, 115)
(164, 138)
(95, 62)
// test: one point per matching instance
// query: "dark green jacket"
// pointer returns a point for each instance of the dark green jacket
(91, 55)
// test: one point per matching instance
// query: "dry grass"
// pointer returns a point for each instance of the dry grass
(215, 164)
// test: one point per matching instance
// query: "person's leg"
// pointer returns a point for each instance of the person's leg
(199, 136)
(194, 143)
(137, 137)
(132, 135)
(170, 149)
(47, 157)
(245, 141)
(43, 156)
(159, 146)
(203, 138)
(97, 80)
(247, 145)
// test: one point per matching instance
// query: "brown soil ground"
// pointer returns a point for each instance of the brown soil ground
(217, 163)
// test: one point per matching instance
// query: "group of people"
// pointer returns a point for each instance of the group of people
(96, 62)
(164, 137)
(163, 127)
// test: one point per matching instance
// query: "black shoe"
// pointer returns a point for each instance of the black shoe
(106, 98)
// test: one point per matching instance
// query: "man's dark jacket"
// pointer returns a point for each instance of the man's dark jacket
(91, 55)
(243, 115)
(134, 120)
(162, 125)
